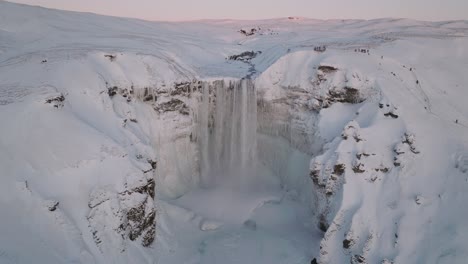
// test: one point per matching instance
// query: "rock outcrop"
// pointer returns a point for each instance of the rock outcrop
(117, 216)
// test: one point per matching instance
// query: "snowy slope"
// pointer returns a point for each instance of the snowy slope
(128, 141)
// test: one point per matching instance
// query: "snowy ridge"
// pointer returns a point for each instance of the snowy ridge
(132, 141)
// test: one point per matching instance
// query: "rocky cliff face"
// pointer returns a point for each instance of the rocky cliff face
(203, 129)
(207, 127)
(340, 158)
(115, 218)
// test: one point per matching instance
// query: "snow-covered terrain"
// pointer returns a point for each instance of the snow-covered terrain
(273, 141)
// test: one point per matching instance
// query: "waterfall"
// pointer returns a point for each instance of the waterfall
(226, 122)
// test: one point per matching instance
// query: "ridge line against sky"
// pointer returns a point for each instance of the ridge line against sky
(185, 10)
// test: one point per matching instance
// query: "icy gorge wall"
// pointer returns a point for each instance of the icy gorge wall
(174, 136)
(223, 129)
(316, 131)
(318, 135)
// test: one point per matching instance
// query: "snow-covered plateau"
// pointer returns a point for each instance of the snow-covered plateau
(282, 141)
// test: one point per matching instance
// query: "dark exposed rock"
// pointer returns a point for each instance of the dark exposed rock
(418, 200)
(359, 259)
(358, 168)
(182, 88)
(173, 105)
(347, 243)
(339, 169)
(313, 261)
(314, 175)
(245, 56)
(135, 214)
(138, 222)
(327, 69)
(56, 101)
(396, 162)
(124, 92)
(52, 206)
(184, 110)
(133, 120)
(320, 48)
(140, 219)
(398, 150)
(148, 188)
(360, 155)
(357, 138)
(111, 57)
(112, 91)
(323, 225)
(391, 114)
(152, 163)
(149, 97)
(346, 95)
(149, 236)
(383, 169)
(96, 238)
(249, 32)
(361, 50)
(410, 140)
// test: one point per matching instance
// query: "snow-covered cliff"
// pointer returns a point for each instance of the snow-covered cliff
(274, 141)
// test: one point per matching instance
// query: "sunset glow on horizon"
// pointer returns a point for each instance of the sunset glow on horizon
(174, 10)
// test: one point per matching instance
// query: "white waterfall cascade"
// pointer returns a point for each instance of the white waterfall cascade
(226, 131)
(239, 212)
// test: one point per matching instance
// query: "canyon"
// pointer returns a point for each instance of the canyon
(224, 141)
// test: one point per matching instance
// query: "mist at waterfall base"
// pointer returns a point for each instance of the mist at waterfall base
(239, 211)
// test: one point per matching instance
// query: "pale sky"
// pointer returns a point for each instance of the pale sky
(259, 9)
